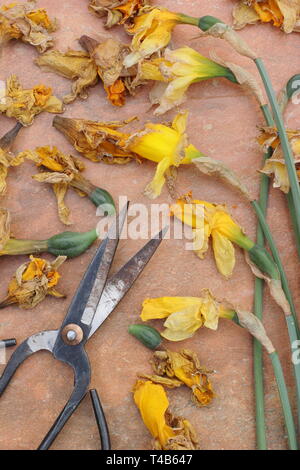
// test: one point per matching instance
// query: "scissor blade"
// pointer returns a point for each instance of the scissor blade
(113, 238)
(84, 303)
(121, 282)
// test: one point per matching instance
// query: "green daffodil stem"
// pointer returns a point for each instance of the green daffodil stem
(274, 250)
(261, 439)
(284, 397)
(256, 328)
(292, 210)
(288, 155)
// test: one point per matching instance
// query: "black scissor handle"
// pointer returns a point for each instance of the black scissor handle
(41, 341)
(82, 375)
(101, 421)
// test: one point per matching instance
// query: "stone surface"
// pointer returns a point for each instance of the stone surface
(223, 123)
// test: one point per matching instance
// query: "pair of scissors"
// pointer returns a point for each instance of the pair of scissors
(95, 299)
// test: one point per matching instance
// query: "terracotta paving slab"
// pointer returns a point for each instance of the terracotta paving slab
(223, 123)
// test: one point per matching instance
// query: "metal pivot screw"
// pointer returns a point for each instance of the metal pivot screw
(72, 334)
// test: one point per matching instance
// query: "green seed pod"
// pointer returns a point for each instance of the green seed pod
(101, 197)
(147, 335)
(71, 244)
(264, 261)
(206, 22)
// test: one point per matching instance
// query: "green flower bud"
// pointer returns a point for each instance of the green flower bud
(71, 244)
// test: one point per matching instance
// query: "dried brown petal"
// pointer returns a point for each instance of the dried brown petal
(74, 65)
(223, 31)
(97, 141)
(275, 287)
(255, 327)
(212, 167)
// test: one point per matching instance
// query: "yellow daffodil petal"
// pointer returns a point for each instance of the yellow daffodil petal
(224, 254)
(154, 188)
(152, 402)
(162, 307)
(182, 324)
(210, 310)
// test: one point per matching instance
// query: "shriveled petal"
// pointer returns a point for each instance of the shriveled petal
(60, 190)
(224, 254)
(74, 65)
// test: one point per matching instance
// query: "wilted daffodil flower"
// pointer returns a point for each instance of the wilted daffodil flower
(183, 367)
(7, 159)
(65, 172)
(74, 65)
(216, 222)
(166, 145)
(32, 282)
(97, 141)
(179, 69)
(185, 315)
(24, 105)
(276, 164)
(68, 244)
(169, 432)
(23, 21)
(152, 32)
(117, 11)
(284, 14)
(108, 56)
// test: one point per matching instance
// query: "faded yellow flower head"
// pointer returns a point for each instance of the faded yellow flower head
(215, 223)
(169, 432)
(183, 366)
(24, 104)
(185, 315)
(151, 33)
(23, 21)
(284, 14)
(32, 282)
(117, 11)
(275, 166)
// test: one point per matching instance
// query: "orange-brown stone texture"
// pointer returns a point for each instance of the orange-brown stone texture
(223, 123)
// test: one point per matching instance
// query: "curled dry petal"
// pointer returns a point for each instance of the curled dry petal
(97, 141)
(117, 11)
(223, 31)
(74, 65)
(32, 282)
(244, 78)
(25, 104)
(275, 287)
(185, 367)
(282, 13)
(23, 21)
(210, 166)
(255, 327)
